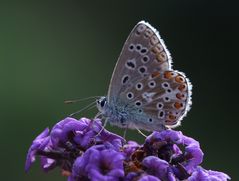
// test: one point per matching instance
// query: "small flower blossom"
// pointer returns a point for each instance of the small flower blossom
(38, 144)
(85, 151)
(209, 175)
(68, 140)
(99, 164)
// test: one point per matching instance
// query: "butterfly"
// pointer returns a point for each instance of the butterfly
(145, 92)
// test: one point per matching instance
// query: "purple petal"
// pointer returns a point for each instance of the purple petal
(39, 142)
(60, 130)
(130, 147)
(149, 178)
(47, 163)
(208, 175)
(196, 155)
(156, 166)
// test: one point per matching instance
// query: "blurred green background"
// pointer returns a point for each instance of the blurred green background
(56, 50)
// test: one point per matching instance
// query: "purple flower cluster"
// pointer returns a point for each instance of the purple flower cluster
(85, 152)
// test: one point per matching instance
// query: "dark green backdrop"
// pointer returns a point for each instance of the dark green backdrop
(56, 50)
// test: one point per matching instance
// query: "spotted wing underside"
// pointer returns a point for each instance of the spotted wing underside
(143, 52)
(143, 80)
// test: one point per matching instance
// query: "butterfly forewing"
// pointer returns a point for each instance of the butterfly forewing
(144, 52)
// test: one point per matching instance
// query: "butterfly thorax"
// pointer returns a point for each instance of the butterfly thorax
(116, 115)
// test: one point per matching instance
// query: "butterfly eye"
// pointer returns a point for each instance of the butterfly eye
(102, 103)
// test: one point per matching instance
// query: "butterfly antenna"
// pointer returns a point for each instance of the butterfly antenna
(89, 106)
(80, 99)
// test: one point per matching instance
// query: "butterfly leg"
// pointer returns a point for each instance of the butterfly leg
(98, 115)
(102, 128)
(125, 131)
(140, 132)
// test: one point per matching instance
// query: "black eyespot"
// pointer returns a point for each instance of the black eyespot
(161, 114)
(138, 103)
(140, 111)
(152, 84)
(143, 51)
(142, 69)
(131, 47)
(160, 105)
(145, 59)
(131, 65)
(165, 84)
(139, 86)
(169, 90)
(138, 47)
(130, 95)
(166, 98)
(125, 79)
(150, 119)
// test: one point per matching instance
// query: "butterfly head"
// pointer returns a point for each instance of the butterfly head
(101, 104)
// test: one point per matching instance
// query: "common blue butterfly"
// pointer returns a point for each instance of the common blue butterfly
(145, 92)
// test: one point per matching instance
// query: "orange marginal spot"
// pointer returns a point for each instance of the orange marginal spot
(168, 75)
(171, 117)
(182, 87)
(178, 105)
(179, 79)
(155, 74)
(180, 96)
